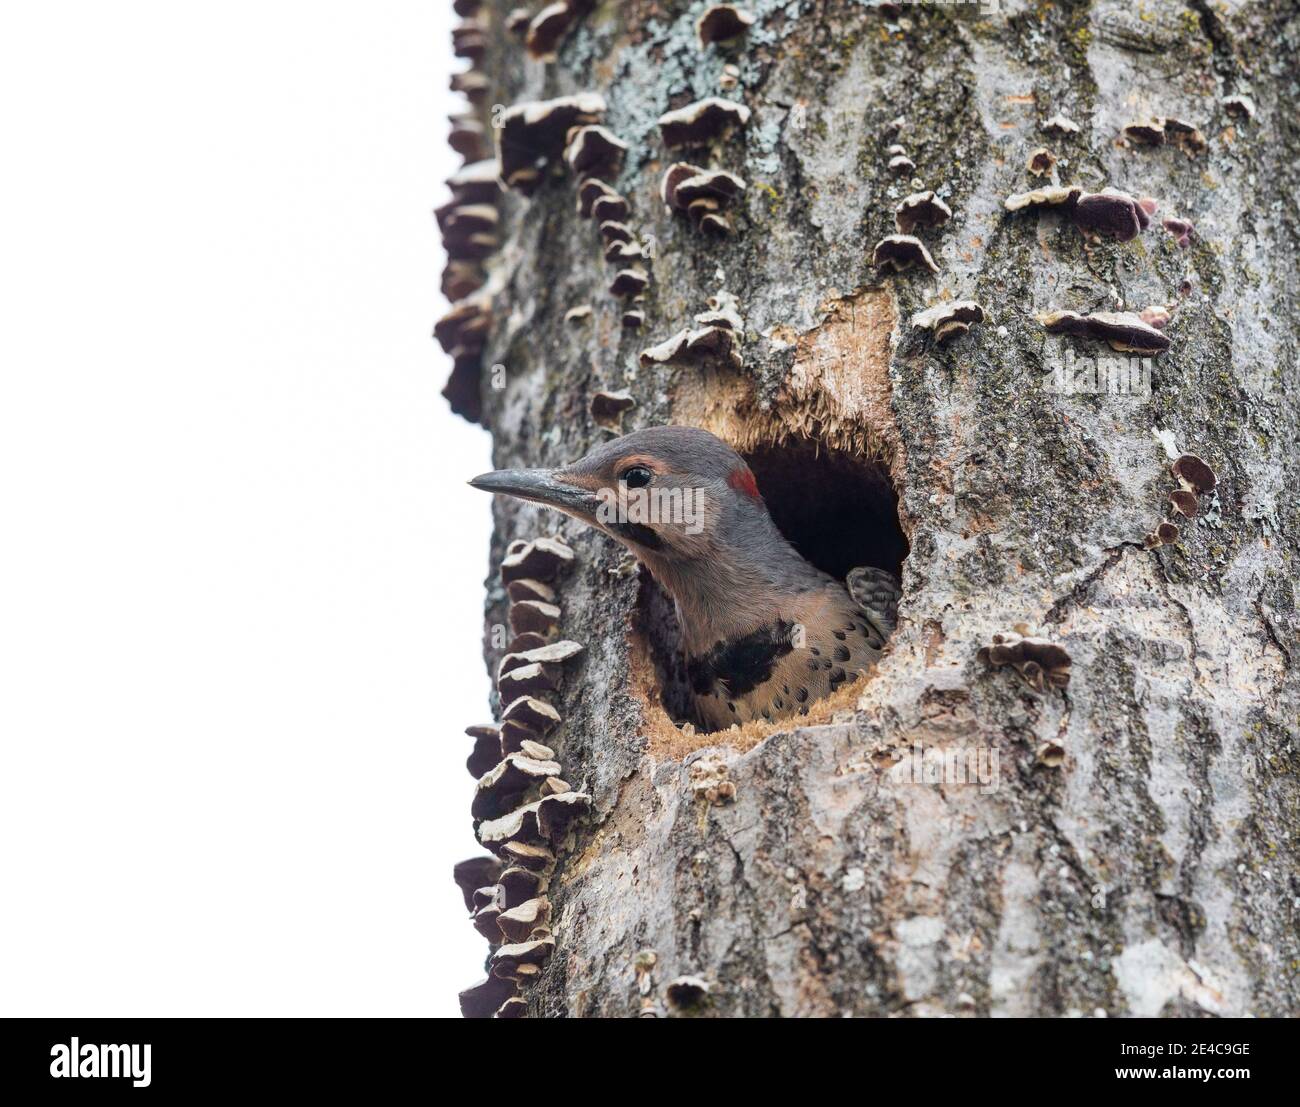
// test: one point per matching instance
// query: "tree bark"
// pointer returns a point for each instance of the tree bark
(1134, 846)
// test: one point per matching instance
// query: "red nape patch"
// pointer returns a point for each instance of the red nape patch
(742, 480)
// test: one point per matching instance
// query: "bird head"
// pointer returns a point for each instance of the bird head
(688, 506)
(670, 494)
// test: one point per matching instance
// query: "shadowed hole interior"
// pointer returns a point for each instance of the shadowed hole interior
(837, 510)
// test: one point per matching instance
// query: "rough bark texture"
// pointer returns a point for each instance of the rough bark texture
(1154, 870)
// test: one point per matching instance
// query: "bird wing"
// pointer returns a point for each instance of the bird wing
(876, 593)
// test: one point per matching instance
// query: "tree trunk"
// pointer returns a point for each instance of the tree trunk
(951, 835)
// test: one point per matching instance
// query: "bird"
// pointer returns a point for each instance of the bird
(764, 632)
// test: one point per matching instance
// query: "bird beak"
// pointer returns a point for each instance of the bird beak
(541, 486)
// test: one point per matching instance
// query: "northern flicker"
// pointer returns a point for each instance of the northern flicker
(765, 633)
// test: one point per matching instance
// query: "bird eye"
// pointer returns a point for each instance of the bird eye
(638, 476)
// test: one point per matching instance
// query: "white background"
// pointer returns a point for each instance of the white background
(241, 606)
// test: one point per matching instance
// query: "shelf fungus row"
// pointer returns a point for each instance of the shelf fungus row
(593, 153)
(1162, 130)
(1195, 479)
(522, 804)
(1039, 662)
(714, 342)
(1109, 213)
(923, 210)
(898, 161)
(531, 136)
(468, 223)
(702, 194)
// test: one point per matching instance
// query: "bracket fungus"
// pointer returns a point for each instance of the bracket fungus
(949, 320)
(483, 999)
(462, 333)
(1194, 474)
(534, 617)
(623, 253)
(1184, 503)
(1123, 330)
(1166, 534)
(608, 409)
(516, 1007)
(527, 855)
(486, 751)
(469, 40)
(554, 653)
(590, 190)
(1146, 132)
(468, 230)
(533, 134)
(1039, 661)
(701, 122)
(1047, 196)
(541, 559)
(722, 24)
(594, 149)
(703, 194)
(609, 207)
(1181, 229)
(543, 819)
(545, 30)
(1159, 130)
(577, 315)
(1186, 137)
(921, 209)
(1243, 107)
(519, 884)
(900, 252)
(716, 341)
(516, 737)
(475, 183)
(500, 788)
(629, 282)
(534, 715)
(901, 164)
(1050, 753)
(528, 680)
(475, 873)
(1111, 213)
(471, 84)
(611, 230)
(1041, 162)
(517, 923)
(702, 346)
(686, 992)
(468, 137)
(533, 952)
